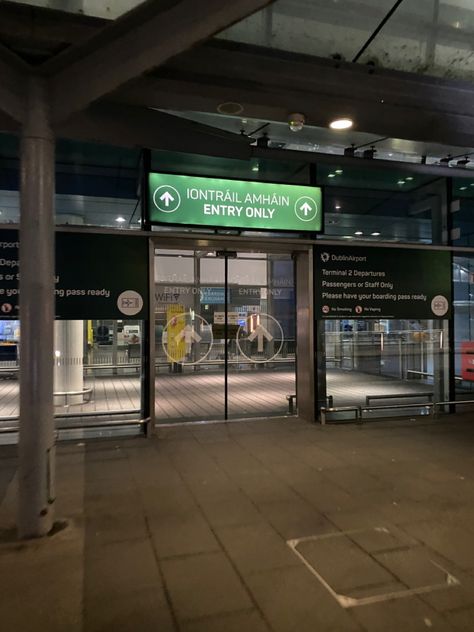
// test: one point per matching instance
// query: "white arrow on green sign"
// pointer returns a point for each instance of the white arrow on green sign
(195, 201)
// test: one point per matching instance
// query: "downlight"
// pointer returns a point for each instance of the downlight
(341, 123)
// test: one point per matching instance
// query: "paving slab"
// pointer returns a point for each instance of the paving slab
(293, 601)
(181, 534)
(250, 621)
(256, 547)
(204, 585)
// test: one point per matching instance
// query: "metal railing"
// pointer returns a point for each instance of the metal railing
(433, 407)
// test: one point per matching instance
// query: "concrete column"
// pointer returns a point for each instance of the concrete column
(68, 360)
(37, 441)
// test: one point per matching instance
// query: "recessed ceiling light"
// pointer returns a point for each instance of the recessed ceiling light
(401, 182)
(390, 155)
(120, 219)
(230, 107)
(347, 237)
(462, 188)
(256, 168)
(332, 175)
(342, 123)
(337, 207)
(338, 171)
(358, 232)
(375, 234)
(472, 184)
(409, 178)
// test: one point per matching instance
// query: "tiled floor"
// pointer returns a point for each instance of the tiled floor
(200, 395)
(188, 532)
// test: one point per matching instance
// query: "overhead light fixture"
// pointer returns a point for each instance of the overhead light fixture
(120, 219)
(296, 121)
(337, 207)
(331, 175)
(338, 171)
(256, 167)
(401, 182)
(358, 232)
(230, 107)
(462, 188)
(409, 178)
(375, 234)
(341, 123)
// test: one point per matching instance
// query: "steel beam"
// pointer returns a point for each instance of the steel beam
(132, 126)
(37, 443)
(271, 84)
(135, 44)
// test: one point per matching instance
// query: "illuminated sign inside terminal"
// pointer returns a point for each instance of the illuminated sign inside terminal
(218, 203)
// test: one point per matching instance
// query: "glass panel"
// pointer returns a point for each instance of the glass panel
(463, 277)
(432, 37)
(391, 362)
(189, 356)
(109, 10)
(211, 269)
(97, 369)
(262, 325)
(112, 365)
(9, 371)
(191, 343)
(318, 27)
(382, 205)
(463, 212)
(174, 269)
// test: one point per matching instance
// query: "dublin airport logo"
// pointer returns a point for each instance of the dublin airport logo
(324, 257)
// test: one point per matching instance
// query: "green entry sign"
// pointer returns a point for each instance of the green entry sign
(215, 202)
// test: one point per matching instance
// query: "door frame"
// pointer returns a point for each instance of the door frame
(302, 253)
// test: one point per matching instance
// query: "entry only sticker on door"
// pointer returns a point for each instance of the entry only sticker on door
(97, 276)
(375, 282)
(214, 202)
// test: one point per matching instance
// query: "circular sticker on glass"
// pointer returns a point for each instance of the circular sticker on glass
(130, 302)
(439, 305)
(187, 338)
(261, 338)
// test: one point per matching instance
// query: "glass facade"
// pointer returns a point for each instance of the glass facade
(225, 329)
(431, 37)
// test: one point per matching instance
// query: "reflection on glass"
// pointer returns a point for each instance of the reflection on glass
(97, 368)
(203, 334)
(463, 277)
(391, 362)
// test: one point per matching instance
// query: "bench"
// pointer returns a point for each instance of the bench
(428, 395)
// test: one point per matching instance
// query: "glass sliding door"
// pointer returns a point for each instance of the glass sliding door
(262, 324)
(224, 335)
(189, 382)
